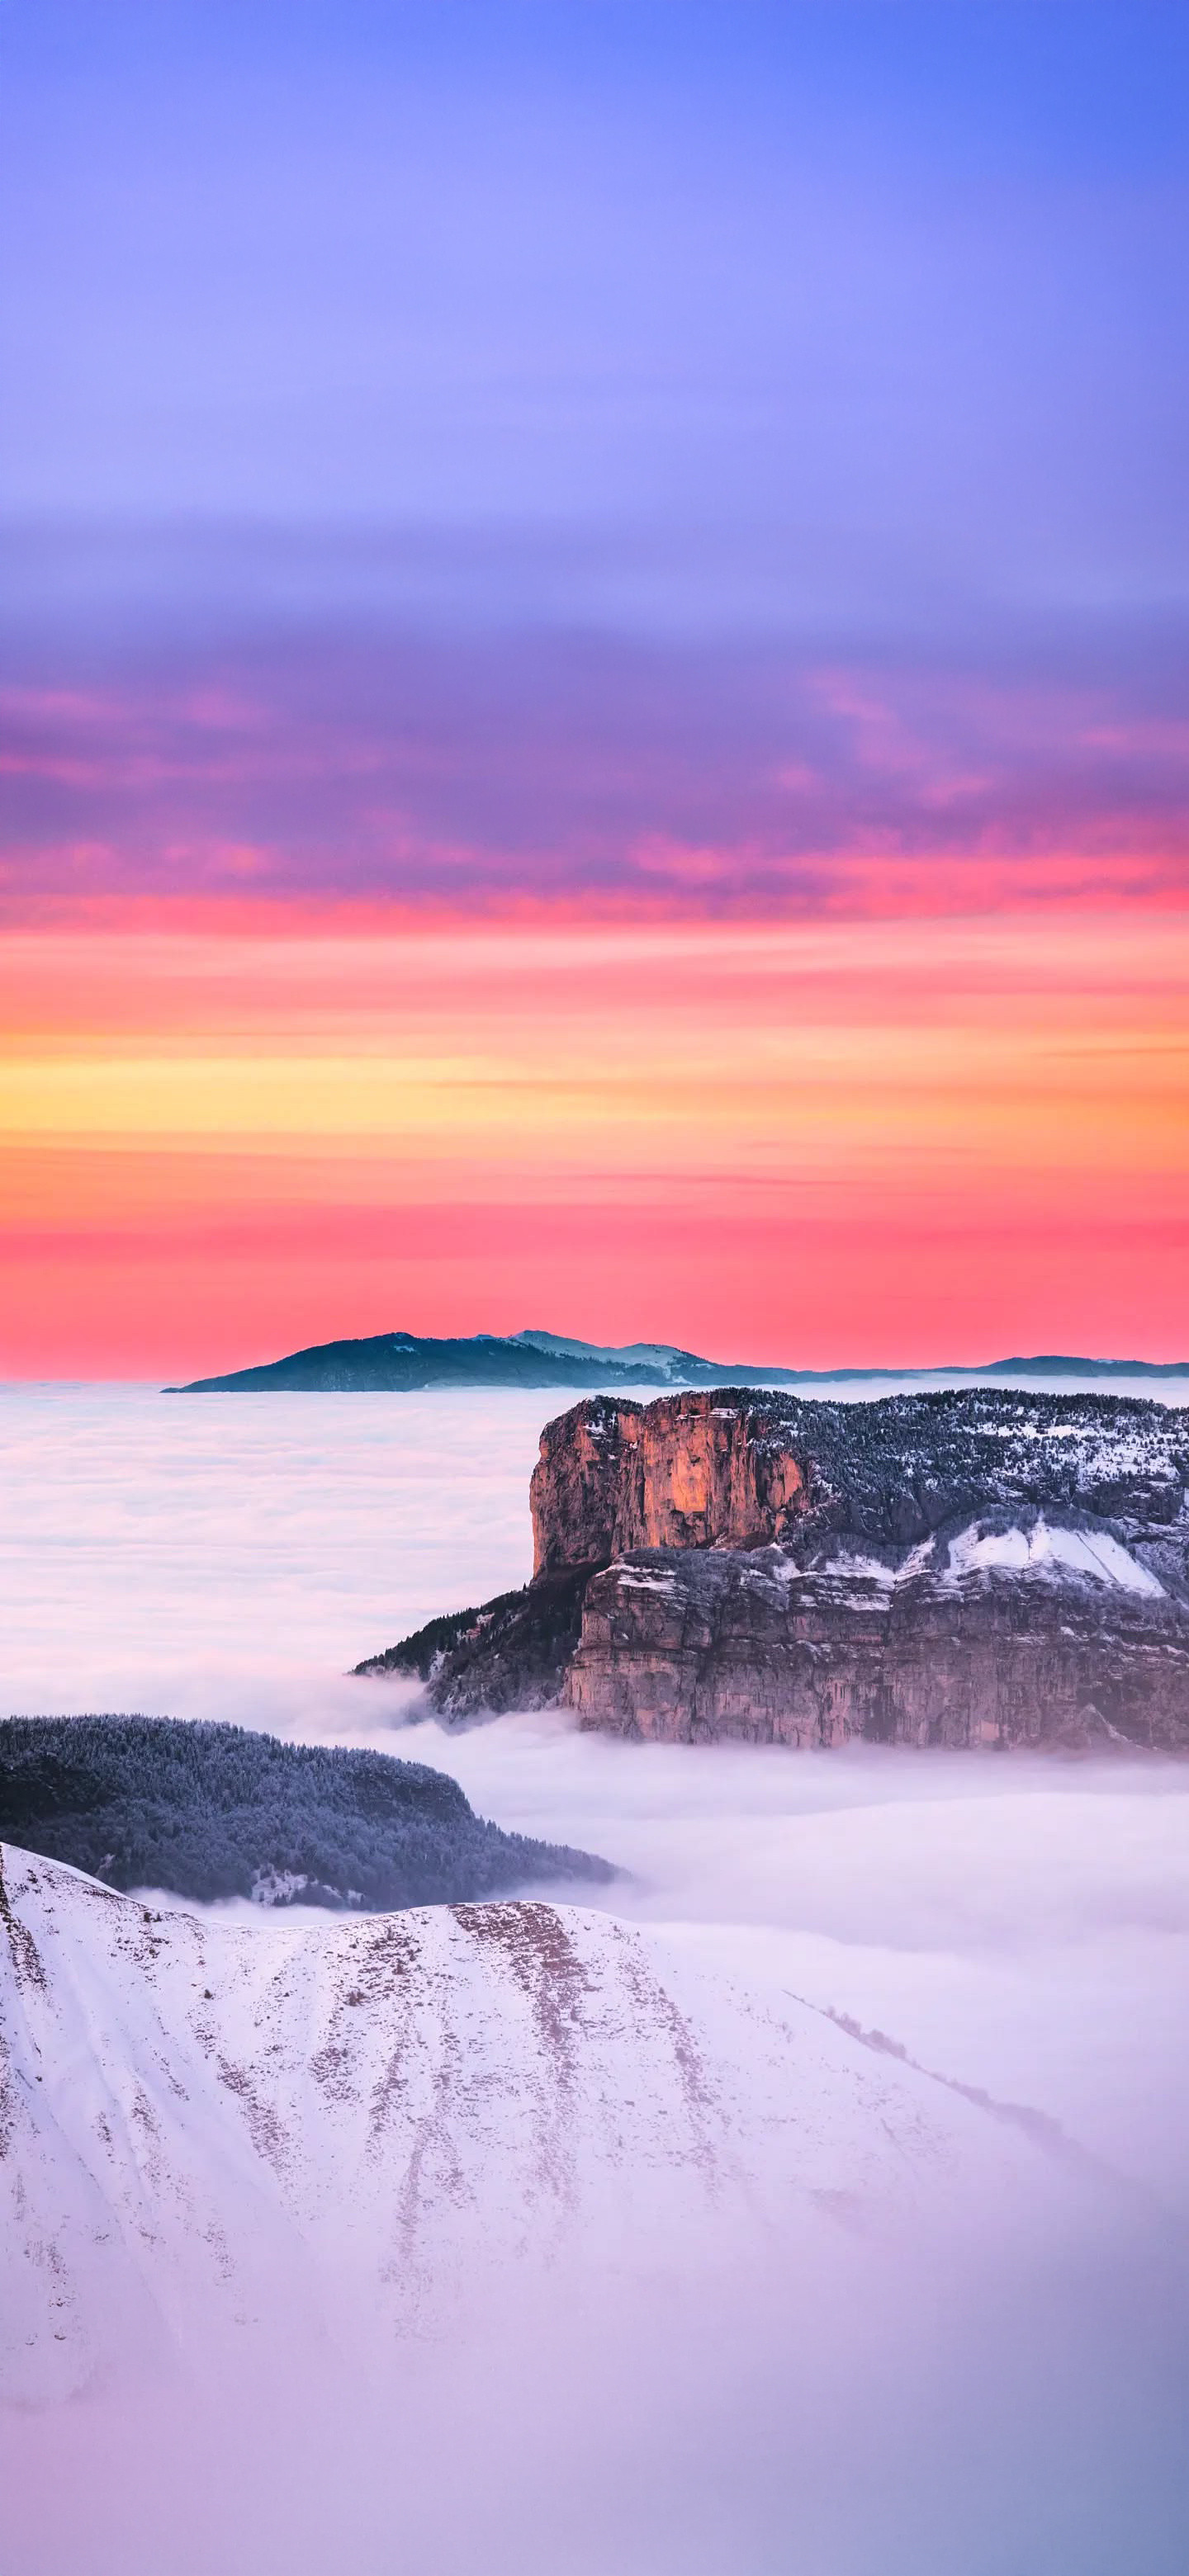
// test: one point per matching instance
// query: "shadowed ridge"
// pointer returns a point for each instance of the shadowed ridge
(207, 1812)
(407, 1363)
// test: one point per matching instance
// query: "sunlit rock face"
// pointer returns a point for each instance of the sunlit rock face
(729, 1468)
(962, 1569)
(974, 1567)
(694, 1470)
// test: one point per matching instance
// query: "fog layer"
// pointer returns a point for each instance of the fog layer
(1000, 2395)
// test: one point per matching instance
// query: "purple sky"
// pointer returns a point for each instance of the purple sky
(451, 447)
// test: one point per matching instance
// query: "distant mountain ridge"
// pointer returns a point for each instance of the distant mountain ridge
(407, 1363)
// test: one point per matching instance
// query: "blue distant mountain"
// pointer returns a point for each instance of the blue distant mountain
(405, 1363)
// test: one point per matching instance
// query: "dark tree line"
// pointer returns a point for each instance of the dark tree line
(208, 1811)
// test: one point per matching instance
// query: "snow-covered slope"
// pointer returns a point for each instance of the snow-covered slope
(208, 2125)
(1054, 1552)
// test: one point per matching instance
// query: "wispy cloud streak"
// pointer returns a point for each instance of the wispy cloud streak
(476, 769)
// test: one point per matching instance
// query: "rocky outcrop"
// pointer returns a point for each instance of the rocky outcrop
(709, 1646)
(978, 1567)
(737, 1469)
(694, 1470)
(515, 1652)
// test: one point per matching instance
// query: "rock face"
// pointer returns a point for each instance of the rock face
(713, 1646)
(978, 1567)
(737, 1469)
(687, 1472)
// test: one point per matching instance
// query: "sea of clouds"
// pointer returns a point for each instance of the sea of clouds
(1000, 2401)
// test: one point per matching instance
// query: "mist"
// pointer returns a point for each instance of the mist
(993, 2385)
(1006, 2394)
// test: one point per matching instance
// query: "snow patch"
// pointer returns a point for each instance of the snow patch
(1045, 1550)
(781, 1569)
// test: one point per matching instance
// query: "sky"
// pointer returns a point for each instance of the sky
(592, 663)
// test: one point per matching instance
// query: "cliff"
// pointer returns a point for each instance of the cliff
(735, 1469)
(700, 1648)
(962, 1568)
(690, 1471)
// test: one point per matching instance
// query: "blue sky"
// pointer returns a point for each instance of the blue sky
(899, 289)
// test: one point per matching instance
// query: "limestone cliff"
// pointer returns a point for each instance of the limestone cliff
(698, 1647)
(694, 1470)
(731, 1468)
(962, 1568)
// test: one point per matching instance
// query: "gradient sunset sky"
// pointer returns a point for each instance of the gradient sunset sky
(593, 677)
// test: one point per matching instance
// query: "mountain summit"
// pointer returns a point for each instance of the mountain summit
(355, 2124)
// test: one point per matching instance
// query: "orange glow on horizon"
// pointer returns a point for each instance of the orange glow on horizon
(831, 1140)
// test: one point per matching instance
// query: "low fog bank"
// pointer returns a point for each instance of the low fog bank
(1005, 2403)
(1019, 1922)
(1008, 2398)
(1016, 1921)
(256, 1542)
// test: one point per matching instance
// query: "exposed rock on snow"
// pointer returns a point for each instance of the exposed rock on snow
(206, 2125)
